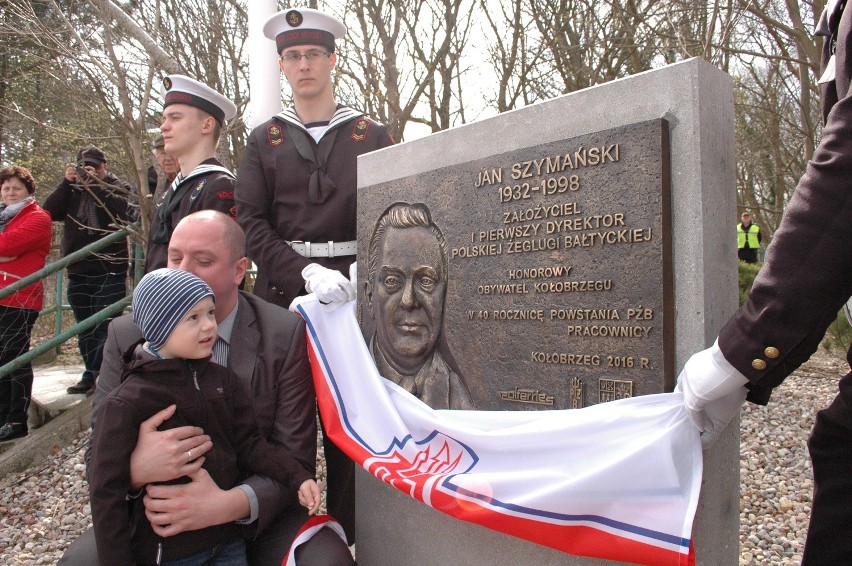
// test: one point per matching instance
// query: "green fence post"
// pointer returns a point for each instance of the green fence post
(57, 328)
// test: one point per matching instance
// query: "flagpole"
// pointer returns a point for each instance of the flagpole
(264, 78)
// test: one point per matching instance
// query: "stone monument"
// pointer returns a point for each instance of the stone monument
(565, 254)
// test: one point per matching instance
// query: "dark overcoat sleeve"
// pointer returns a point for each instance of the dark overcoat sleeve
(57, 203)
(807, 275)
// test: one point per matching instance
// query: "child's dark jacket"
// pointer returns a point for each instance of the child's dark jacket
(206, 396)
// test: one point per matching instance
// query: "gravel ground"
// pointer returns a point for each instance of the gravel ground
(43, 509)
(775, 470)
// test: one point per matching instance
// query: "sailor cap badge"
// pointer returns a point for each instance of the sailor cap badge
(295, 18)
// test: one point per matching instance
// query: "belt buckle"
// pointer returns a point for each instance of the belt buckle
(294, 243)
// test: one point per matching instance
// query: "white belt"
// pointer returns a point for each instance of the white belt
(325, 249)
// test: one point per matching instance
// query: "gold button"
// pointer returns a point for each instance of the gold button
(758, 364)
(772, 352)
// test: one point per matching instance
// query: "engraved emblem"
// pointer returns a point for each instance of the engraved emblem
(274, 135)
(531, 396)
(197, 190)
(167, 83)
(359, 133)
(295, 18)
(578, 390)
(612, 389)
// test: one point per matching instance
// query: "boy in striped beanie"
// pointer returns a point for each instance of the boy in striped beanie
(174, 309)
(172, 366)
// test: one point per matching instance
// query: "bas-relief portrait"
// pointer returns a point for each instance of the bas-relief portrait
(405, 292)
(560, 289)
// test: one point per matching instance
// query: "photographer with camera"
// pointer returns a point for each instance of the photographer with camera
(93, 203)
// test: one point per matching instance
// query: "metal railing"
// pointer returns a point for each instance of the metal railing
(59, 337)
(57, 266)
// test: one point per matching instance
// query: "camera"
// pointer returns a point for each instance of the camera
(83, 174)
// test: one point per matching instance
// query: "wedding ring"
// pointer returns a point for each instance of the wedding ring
(189, 453)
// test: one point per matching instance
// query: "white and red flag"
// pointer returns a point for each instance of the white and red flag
(617, 480)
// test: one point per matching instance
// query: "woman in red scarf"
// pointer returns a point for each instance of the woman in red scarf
(24, 244)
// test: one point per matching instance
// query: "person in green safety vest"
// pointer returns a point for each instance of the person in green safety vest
(748, 239)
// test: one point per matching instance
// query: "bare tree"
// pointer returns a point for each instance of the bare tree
(70, 61)
(778, 114)
(204, 39)
(112, 62)
(90, 70)
(402, 60)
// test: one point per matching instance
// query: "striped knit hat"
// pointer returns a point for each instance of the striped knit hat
(162, 298)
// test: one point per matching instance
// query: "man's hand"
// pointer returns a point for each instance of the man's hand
(166, 455)
(70, 172)
(329, 285)
(713, 391)
(173, 509)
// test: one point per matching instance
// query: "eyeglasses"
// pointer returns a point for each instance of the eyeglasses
(311, 56)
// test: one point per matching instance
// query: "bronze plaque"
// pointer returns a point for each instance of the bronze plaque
(534, 279)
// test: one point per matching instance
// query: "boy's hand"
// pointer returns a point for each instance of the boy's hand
(309, 496)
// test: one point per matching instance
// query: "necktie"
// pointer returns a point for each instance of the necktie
(221, 349)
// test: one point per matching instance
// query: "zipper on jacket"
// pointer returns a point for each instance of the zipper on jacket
(201, 402)
(159, 553)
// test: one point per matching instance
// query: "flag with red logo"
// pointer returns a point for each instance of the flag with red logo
(617, 480)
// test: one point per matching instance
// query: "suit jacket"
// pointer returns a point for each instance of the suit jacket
(268, 353)
(807, 275)
(436, 384)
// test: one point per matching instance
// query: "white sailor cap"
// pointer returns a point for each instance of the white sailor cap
(303, 26)
(180, 89)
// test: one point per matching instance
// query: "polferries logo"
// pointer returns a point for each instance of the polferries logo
(414, 466)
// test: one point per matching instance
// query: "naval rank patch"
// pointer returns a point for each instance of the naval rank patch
(197, 190)
(359, 133)
(274, 135)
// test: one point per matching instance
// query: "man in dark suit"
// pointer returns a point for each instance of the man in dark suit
(265, 346)
(806, 278)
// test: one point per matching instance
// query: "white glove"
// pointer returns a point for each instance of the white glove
(330, 286)
(353, 275)
(713, 391)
